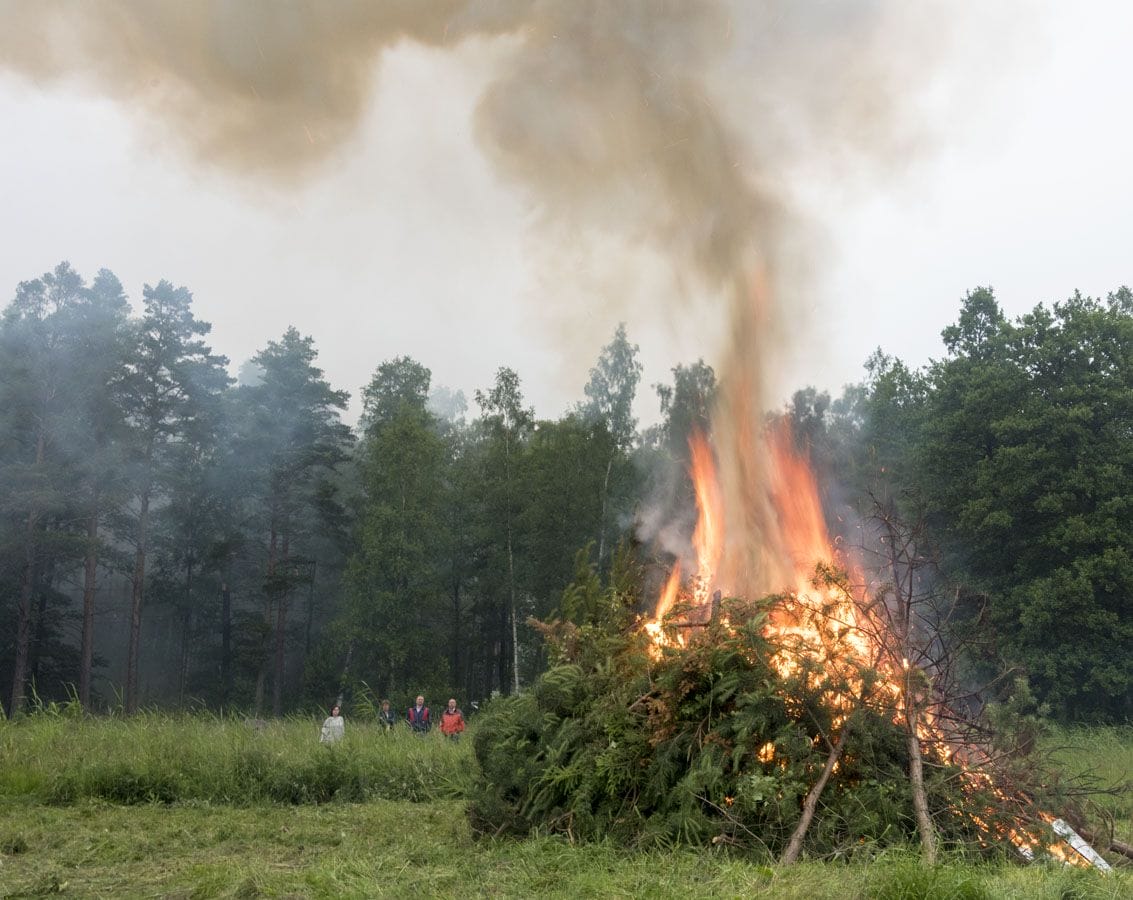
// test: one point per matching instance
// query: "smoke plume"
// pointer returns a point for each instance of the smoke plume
(676, 126)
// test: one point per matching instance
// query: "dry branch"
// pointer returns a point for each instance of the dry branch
(791, 854)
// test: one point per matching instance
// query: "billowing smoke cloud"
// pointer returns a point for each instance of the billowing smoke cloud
(672, 125)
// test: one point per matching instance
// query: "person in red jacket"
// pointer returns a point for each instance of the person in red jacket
(452, 721)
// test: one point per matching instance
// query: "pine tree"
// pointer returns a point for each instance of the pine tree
(172, 395)
(293, 440)
(41, 342)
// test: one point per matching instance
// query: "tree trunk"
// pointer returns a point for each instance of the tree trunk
(225, 645)
(281, 637)
(183, 664)
(602, 520)
(23, 604)
(916, 780)
(261, 678)
(345, 672)
(454, 656)
(511, 573)
(514, 637)
(499, 658)
(511, 614)
(280, 651)
(90, 585)
(261, 672)
(23, 619)
(42, 581)
(186, 626)
(136, 595)
(791, 854)
(310, 611)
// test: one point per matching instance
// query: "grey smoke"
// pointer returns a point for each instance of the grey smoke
(680, 128)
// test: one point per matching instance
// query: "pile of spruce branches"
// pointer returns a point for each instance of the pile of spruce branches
(704, 744)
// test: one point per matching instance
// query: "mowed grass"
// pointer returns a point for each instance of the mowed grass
(203, 807)
(398, 848)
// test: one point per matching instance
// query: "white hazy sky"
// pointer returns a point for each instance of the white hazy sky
(406, 242)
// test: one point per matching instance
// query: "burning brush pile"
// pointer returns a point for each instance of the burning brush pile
(819, 718)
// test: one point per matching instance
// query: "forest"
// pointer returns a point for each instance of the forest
(173, 537)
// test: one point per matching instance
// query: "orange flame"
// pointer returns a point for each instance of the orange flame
(794, 493)
(708, 538)
(669, 592)
(816, 622)
(665, 603)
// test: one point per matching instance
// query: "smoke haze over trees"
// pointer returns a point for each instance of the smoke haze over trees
(169, 537)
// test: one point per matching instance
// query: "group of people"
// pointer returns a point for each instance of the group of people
(418, 717)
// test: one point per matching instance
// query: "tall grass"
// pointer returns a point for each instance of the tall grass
(1101, 758)
(155, 757)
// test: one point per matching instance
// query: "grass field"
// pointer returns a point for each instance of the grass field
(58, 759)
(86, 811)
(1102, 757)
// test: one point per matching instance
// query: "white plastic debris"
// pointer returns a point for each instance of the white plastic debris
(1075, 840)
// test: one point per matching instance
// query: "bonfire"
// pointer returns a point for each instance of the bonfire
(825, 623)
(801, 705)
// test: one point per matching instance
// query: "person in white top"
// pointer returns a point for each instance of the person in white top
(333, 728)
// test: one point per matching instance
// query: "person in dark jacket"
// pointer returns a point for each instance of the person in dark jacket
(386, 718)
(419, 720)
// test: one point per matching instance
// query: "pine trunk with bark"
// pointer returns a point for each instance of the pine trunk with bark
(310, 613)
(454, 656)
(925, 828)
(262, 671)
(511, 574)
(280, 658)
(602, 519)
(90, 586)
(44, 578)
(225, 644)
(186, 629)
(23, 619)
(137, 593)
(514, 626)
(23, 603)
(281, 636)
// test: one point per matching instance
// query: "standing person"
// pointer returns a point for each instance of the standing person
(452, 721)
(334, 729)
(419, 716)
(386, 718)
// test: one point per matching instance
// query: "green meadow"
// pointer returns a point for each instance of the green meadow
(158, 806)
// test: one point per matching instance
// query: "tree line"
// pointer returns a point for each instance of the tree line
(170, 535)
(1015, 450)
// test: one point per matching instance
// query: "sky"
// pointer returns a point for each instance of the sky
(407, 241)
